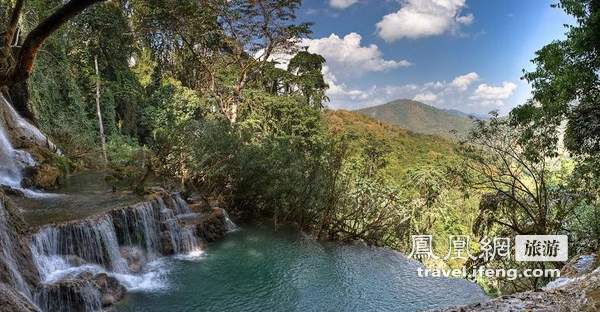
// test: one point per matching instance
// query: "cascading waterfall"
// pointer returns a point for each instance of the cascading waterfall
(93, 241)
(12, 162)
(183, 239)
(181, 207)
(229, 225)
(24, 129)
(73, 296)
(139, 225)
(94, 245)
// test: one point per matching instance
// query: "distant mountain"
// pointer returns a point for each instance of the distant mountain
(422, 118)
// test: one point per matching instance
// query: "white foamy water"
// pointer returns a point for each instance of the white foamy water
(10, 167)
(229, 225)
(112, 242)
(154, 278)
(195, 255)
(14, 161)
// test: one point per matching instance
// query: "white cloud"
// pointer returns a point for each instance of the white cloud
(459, 93)
(340, 91)
(462, 82)
(493, 95)
(423, 18)
(465, 19)
(346, 56)
(341, 4)
(428, 97)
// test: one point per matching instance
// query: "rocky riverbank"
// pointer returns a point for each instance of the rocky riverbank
(578, 290)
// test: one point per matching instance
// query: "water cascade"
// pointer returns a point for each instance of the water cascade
(15, 130)
(12, 162)
(229, 225)
(71, 296)
(115, 243)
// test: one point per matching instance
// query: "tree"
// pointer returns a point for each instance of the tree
(254, 31)
(522, 191)
(566, 86)
(307, 69)
(17, 66)
(520, 194)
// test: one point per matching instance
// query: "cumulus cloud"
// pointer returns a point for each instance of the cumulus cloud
(462, 82)
(340, 91)
(341, 4)
(347, 56)
(426, 97)
(459, 93)
(423, 18)
(493, 95)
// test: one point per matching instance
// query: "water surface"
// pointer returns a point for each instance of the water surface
(82, 195)
(256, 269)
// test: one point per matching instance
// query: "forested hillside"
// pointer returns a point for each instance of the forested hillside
(421, 118)
(187, 91)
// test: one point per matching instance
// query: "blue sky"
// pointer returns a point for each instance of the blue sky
(459, 54)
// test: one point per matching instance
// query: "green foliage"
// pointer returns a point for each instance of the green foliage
(306, 69)
(172, 107)
(123, 151)
(391, 184)
(566, 87)
(421, 118)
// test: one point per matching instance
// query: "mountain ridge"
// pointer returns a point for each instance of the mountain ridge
(421, 118)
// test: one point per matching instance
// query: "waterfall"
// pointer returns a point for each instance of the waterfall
(7, 253)
(139, 225)
(181, 207)
(229, 225)
(94, 241)
(24, 130)
(117, 243)
(12, 162)
(183, 239)
(69, 296)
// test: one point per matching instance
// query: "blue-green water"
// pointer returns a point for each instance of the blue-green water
(256, 269)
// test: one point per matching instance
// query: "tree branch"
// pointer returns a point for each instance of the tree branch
(12, 25)
(36, 37)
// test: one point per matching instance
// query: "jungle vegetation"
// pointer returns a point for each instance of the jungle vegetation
(188, 90)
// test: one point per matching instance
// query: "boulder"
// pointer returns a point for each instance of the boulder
(189, 219)
(111, 290)
(14, 237)
(136, 259)
(200, 207)
(46, 176)
(215, 202)
(77, 294)
(213, 226)
(580, 265)
(579, 294)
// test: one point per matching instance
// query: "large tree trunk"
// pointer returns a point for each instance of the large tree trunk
(18, 69)
(18, 94)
